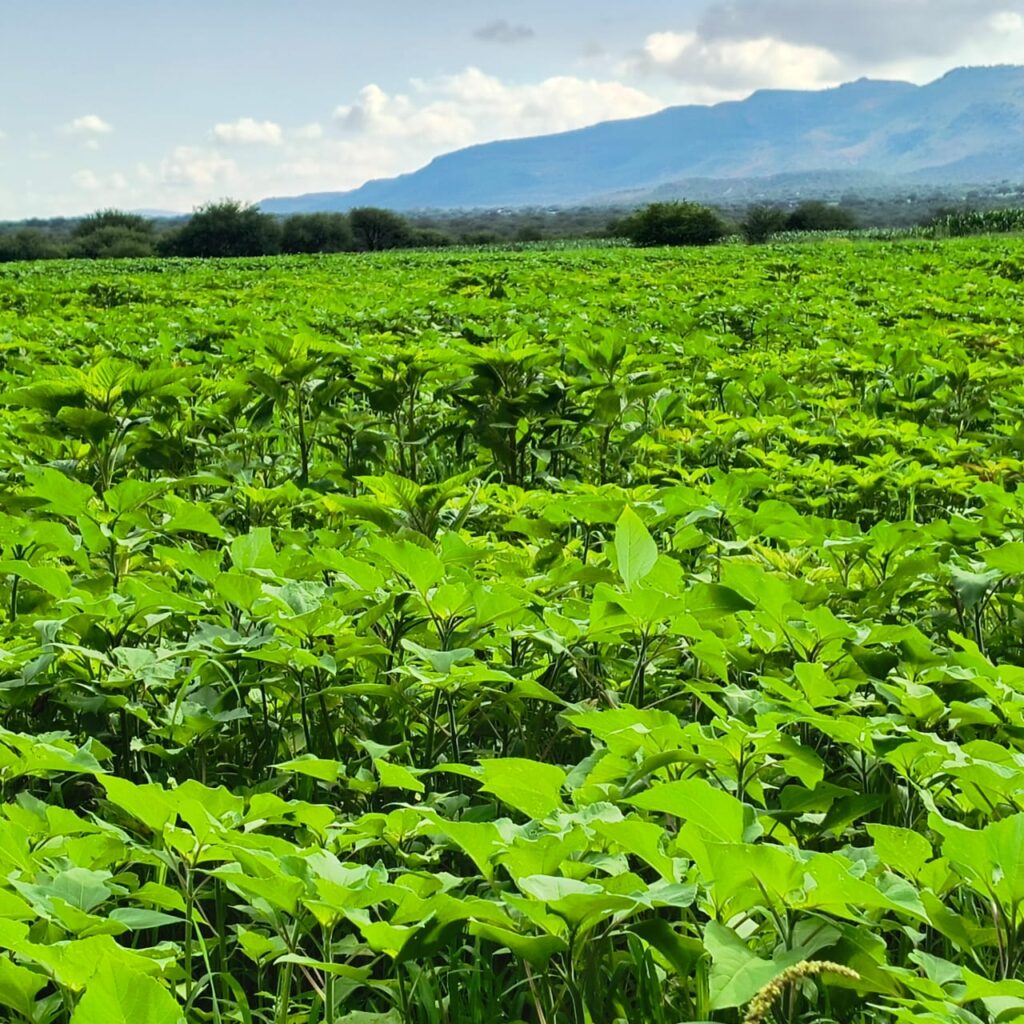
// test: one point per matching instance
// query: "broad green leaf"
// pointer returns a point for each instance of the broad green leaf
(320, 768)
(531, 787)
(19, 988)
(536, 950)
(1008, 559)
(396, 776)
(635, 550)
(716, 814)
(150, 804)
(900, 848)
(66, 496)
(120, 997)
(991, 859)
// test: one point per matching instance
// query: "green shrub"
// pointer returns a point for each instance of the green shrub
(227, 228)
(29, 244)
(819, 216)
(376, 230)
(317, 232)
(674, 224)
(113, 243)
(761, 222)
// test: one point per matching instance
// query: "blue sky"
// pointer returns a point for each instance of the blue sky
(167, 105)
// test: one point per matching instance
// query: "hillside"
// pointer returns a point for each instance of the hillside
(967, 126)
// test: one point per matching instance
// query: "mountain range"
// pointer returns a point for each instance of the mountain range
(966, 127)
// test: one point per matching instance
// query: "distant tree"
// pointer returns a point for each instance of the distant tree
(376, 229)
(529, 233)
(819, 216)
(428, 238)
(227, 228)
(112, 233)
(761, 222)
(113, 243)
(29, 244)
(317, 232)
(103, 219)
(674, 224)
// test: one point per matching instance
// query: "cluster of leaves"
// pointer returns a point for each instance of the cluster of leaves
(576, 637)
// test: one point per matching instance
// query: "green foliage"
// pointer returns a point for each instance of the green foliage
(28, 244)
(113, 234)
(958, 223)
(761, 222)
(103, 220)
(674, 223)
(375, 230)
(316, 232)
(438, 638)
(227, 228)
(819, 216)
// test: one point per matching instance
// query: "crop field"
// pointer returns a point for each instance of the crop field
(561, 637)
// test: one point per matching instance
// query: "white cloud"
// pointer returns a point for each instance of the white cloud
(472, 107)
(87, 181)
(868, 34)
(249, 131)
(88, 125)
(732, 67)
(380, 133)
(309, 132)
(197, 169)
(1006, 21)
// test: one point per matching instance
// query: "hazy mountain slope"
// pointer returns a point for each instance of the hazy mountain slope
(967, 126)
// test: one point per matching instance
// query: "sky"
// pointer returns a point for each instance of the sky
(163, 105)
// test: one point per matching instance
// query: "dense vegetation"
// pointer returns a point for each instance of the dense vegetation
(576, 637)
(231, 228)
(226, 228)
(673, 224)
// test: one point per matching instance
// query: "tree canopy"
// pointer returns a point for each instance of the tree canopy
(226, 228)
(674, 223)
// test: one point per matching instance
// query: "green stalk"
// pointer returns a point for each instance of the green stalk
(328, 978)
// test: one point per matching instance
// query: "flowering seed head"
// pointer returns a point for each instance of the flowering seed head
(761, 1005)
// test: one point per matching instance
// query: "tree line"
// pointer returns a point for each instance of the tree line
(680, 223)
(231, 228)
(226, 228)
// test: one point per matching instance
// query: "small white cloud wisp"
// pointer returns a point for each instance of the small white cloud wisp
(249, 132)
(89, 125)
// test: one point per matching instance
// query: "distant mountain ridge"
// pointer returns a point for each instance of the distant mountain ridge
(966, 127)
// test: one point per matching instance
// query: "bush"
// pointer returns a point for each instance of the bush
(376, 230)
(761, 222)
(111, 234)
(227, 228)
(317, 232)
(480, 238)
(28, 244)
(102, 220)
(674, 224)
(429, 238)
(113, 243)
(818, 216)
